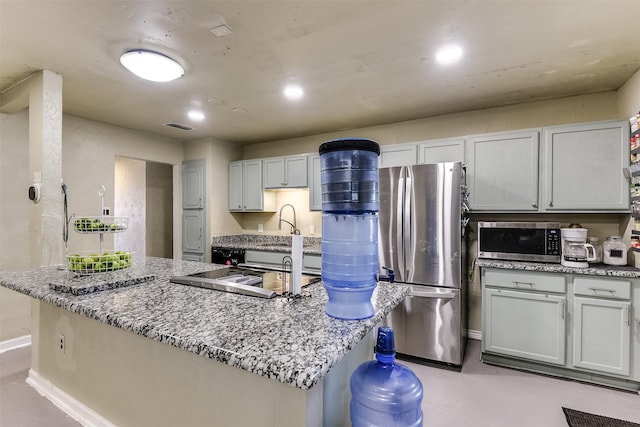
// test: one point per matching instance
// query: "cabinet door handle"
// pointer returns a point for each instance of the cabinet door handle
(551, 204)
(523, 283)
(596, 290)
(627, 316)
(562, 309)
(534, 205)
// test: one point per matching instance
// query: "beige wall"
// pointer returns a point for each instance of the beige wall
(629, 97)
(15, 320)
(89, 150)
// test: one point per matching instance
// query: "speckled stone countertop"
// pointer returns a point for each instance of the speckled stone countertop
(291, 341)
(593, 270)
(266, 242)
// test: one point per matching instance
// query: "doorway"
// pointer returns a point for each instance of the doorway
(144, 194)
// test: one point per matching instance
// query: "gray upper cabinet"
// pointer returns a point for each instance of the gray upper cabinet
(441, 150)
(502, 171)
(246, 193)
(583, 167)
(315, 188)
(193, 179)
(285, 172)
(398, 155)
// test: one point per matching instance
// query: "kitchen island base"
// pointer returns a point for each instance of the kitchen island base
(130, 380)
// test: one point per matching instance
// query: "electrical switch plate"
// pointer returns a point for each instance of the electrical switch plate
(260, 228)
(62, 344)
(312, 229)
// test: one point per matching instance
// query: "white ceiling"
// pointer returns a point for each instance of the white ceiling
(361, 63)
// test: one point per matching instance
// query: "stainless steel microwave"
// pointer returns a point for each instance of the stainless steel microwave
(520, 241)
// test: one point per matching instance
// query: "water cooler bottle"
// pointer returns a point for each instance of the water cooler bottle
(385, 393)
(350, 204)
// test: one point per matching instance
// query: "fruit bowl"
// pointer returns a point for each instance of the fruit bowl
(100, 224)
(93, 262)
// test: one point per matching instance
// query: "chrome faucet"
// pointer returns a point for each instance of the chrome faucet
(294, 228)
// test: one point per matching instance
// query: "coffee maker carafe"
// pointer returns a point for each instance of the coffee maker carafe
(576, 252)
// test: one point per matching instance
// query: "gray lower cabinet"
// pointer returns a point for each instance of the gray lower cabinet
(522, 317)
(571, 325)
(310, 262)
(602, 325)
(511, 329)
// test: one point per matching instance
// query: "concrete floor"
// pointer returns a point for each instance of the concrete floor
(480, 396)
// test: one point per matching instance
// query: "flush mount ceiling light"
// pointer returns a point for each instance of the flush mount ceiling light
(151, 65)
(449, 54)
(196, 115)
(293, 92)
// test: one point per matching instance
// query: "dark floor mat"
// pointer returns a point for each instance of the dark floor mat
(583, 419)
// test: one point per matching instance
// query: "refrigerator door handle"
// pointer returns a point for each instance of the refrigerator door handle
(433, 294)
(399, 227)
(407, 230)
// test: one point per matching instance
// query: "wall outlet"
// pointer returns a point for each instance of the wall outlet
(62, 344)
(105, 211)
(312, 229)
(260, 228)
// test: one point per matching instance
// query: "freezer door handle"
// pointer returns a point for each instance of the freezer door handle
(433, 294)
(400, 253)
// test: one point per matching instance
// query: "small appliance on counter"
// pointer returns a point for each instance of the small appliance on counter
(519, 241)
(576, 252)
(614, 251)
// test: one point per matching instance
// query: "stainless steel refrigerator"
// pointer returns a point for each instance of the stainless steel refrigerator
(421, 238)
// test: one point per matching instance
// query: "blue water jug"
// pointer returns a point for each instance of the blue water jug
(385, 393)
(350, 204)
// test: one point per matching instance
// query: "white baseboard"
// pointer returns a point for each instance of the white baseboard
(15, 343)
(474, 335)
(68, 404)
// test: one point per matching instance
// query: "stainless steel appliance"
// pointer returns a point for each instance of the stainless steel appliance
(227, 256)
(254, 282)
(421, 239)
(520, 241)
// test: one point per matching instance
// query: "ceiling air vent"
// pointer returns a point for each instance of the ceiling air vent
(177, 126)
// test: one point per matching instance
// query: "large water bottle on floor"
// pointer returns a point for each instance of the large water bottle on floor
(350, 204)
(385, 393)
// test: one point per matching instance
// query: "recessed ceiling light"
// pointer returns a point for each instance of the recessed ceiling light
(449, 54)
(196, 115)
(293, 92)
(151, 65)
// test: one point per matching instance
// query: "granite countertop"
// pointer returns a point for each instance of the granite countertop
(593, 270)
(266, 242)
(287, 340)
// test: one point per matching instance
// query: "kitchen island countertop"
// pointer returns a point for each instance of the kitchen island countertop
(291, 341)
(593, 270)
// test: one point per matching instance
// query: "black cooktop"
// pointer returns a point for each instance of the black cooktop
(271, 279)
